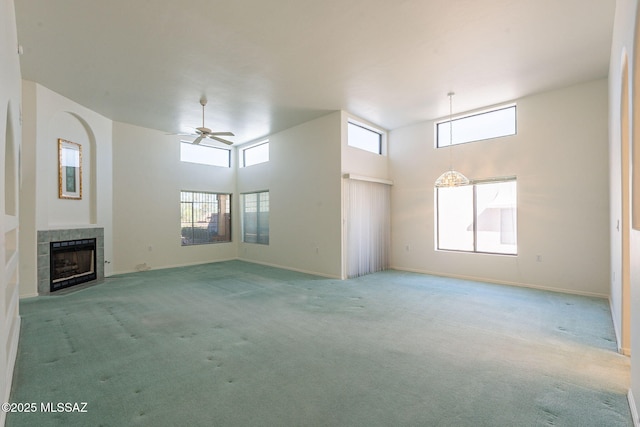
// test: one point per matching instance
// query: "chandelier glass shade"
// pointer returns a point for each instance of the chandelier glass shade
(451, 178)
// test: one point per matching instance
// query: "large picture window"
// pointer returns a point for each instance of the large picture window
(481, 217)
(255, 217)
(205, 218)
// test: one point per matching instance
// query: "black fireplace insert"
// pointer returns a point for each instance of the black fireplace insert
(72, 262)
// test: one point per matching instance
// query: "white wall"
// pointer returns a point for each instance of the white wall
(10, 136)
(559, 158)
(362, 163)
(147, 179)
(623, 141)
(49, 116)
(303, 179)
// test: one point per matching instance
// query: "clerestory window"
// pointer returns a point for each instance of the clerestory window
(476, 127)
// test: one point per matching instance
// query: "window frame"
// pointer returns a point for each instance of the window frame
(243, 150)
(204, 146)
(474, 184)
(462, 117)
(225, 211)
(381, 136)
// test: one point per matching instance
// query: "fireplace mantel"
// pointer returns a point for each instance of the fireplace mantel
(45, 237)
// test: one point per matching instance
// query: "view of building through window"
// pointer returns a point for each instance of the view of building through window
(255, 217)
(481, 217)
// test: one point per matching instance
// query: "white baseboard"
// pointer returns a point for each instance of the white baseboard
(284, 267)
(30, 295)
(634, 409)
(503, 282)
(164, 267)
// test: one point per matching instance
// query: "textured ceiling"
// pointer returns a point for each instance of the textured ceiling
(267, 65)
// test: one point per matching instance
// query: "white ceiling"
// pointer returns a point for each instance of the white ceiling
(267, 65)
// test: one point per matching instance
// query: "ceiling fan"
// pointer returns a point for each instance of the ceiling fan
(204, 132)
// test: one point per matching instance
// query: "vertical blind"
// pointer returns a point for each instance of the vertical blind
(368, 226)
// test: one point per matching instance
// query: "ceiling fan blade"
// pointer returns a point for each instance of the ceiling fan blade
(197, 140)
(224, 141)
(181, 134)
(222, 133)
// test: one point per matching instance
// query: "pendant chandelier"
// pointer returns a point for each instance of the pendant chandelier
(451, 178)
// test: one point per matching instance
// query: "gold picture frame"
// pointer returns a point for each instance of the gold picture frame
(69, 170)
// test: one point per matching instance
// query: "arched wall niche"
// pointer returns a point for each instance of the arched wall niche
(93, 181)
(10, 167)
(64, 212)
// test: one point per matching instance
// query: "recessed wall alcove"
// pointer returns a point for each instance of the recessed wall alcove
(46, 237)
(72, 127)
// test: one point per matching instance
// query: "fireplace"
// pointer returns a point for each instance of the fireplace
(72, 262)
(70, 257)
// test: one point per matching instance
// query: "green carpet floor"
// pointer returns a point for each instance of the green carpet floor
(238, 344)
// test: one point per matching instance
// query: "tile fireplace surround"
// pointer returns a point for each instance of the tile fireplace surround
(45, 237)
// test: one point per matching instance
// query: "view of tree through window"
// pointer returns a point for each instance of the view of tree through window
(205, 218)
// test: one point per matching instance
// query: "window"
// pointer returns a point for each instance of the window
(255, 217)
(481, 217)
(205, 218)
(205, 155)
(486, 125)
(362, 137)
(255, 154)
